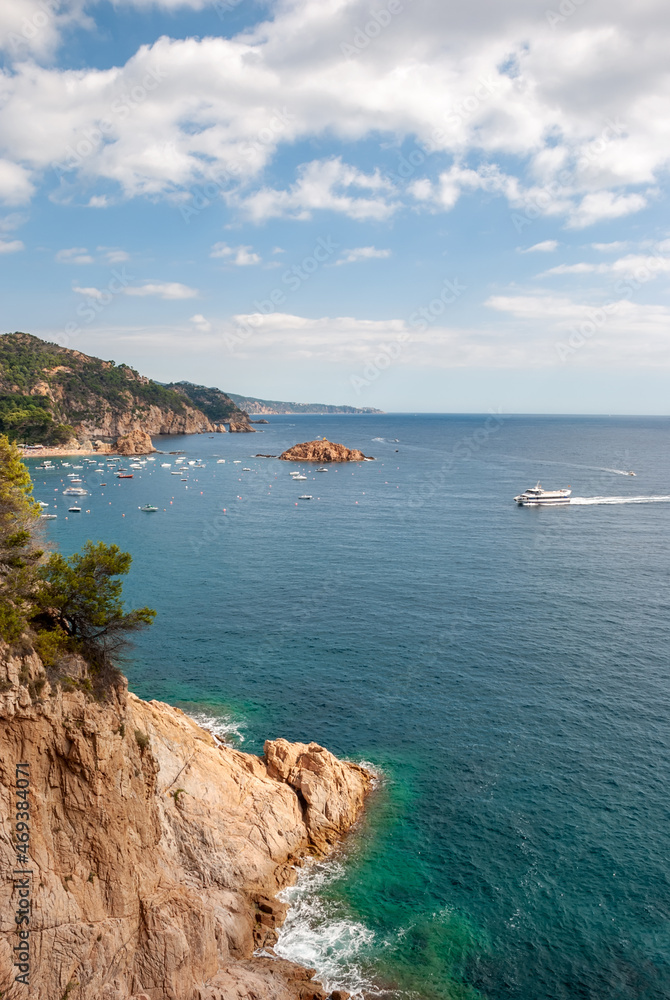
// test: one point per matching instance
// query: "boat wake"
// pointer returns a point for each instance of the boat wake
(591, 501)
(569, 465)
(317, 933)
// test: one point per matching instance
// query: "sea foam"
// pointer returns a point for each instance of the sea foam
(317, 932)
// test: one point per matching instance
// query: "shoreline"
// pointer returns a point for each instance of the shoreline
(194, 841)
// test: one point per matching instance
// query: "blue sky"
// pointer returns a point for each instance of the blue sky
(401, 204)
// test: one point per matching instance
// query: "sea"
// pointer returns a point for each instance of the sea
(504, 671)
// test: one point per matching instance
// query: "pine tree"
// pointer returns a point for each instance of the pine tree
(19, 553)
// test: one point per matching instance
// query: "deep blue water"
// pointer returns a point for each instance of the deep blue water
(505, 669)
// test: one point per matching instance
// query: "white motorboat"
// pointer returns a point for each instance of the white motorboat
(322, 470)
(75, 510)
(296, 478)
(49, 517)
(306, 496)
(537, 495)
(75, 491)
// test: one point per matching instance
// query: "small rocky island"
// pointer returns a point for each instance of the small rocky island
(323, 451)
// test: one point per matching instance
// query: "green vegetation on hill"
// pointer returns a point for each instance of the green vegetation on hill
(19, 554)
(30, 419)
(46, 390)
(212, 402)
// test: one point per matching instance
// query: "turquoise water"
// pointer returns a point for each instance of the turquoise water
(505, 671)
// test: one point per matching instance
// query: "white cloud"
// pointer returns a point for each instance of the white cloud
(362, 253)
(242, 256)
(91, 293)
(74, 255)
(615, 247)
(162, 290)
(604, 205)
(11, 246)
(200, 323)
(11, 222)
(33, 27)
(16, 187)
(581, 123)
(546, 246)
(581, 268)
(647, 266)
(614, 332)
(98, 201)
(323, 185)
(114, 255)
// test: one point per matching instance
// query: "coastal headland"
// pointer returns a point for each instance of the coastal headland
(155, 852)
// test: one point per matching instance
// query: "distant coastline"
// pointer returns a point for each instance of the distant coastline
(275, 407)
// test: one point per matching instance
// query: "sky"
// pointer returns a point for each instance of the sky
(413, 205)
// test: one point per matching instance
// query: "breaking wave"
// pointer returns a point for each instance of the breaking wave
(224, 728)
(318, 933)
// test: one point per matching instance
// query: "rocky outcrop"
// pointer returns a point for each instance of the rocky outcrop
(240, 427)
(156, 852)
(322, 451)
(137, 442)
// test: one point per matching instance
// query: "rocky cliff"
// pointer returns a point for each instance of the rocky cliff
(322, 451)
(55, 396)
(155, 853)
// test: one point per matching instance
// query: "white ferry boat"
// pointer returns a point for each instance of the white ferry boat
(538, 495)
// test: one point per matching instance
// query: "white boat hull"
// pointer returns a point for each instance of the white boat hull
(528, 502)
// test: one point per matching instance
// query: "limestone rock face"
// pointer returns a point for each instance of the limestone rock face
(322, 451)
(136, 442)
(156, 851)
